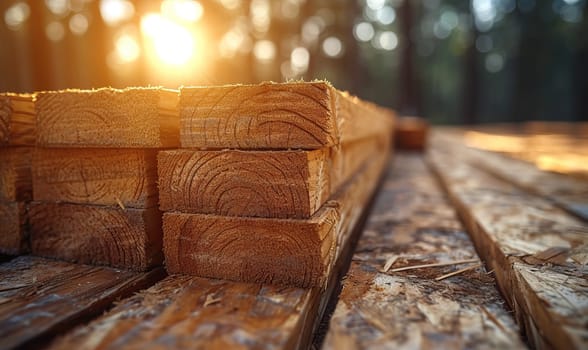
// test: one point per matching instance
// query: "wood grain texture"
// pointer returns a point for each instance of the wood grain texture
(174, 314)
(13, 228)
(308, 115)
(358, 119)
(413, 223)
(271, 184)
(571, 193)
(536, 250)
(17, 119)
(114, 177)
(261, 250)
(40, 297)
(15, 174)
(100, 235)
(191, 312)
(252, 183)
(134, 117)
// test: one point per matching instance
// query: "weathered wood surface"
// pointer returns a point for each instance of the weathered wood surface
(412, 223)
(40, 298)
(410, 133)
(184, 312)
(270, 184)
(537, 251)
(13, 231)
(115, 177)
(309, 115)
(129, 238)
(261, 250)
(571, 193)
(15, 174)
(17, 120)
(134, 117)
(562, 153)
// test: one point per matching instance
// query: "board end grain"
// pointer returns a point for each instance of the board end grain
(111, 236)
(133, 117)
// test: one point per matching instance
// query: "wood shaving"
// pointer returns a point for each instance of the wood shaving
(451, 274)
(210, 300)
(120, 203)
(457, 262)
(391, 260)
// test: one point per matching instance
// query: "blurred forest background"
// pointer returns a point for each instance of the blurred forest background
(451, 61)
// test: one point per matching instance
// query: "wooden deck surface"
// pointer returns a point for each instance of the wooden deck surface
(505, 230)
(537, 250)
(413, 223)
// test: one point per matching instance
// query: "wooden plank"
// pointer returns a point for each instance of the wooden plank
(115, 177)
(271, 184)
(40, 297)
(184, 312)
(192, 312)
(15, 174)
(537, 251)
(412, 223)
(17, 119)
(101, 235)
(565, 154)
(246, 183)
(571, 193)
(134, 117)
(578, 129)
(13, 233)
(261, 250)
(410, 133)
(307, 115)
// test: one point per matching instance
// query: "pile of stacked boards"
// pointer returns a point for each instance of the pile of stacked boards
(250, 183)
(269, 181)
(259, 183)
(95, 175)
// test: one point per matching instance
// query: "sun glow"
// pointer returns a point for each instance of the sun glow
(174, 44)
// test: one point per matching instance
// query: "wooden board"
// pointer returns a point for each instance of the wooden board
(309, 115)
(134, 117)
(412, 223)
(271, 184)
(175, 314)
(17, 120)
(15, 174)
(410, 133)
(115, 177)
(536, 250)
(565, 154)
(40, 297)
(129, 238)
(261, 250)
(571, 193)
(13, 230)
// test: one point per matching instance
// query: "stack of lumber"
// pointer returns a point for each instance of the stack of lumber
(94, 175)
(17, 135)
(270, 180)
